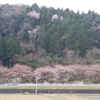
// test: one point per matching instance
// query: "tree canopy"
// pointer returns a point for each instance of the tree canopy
(50, 33)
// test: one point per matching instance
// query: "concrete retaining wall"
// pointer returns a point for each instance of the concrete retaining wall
(50, 91)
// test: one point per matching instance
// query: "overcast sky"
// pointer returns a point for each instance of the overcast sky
(81, 5)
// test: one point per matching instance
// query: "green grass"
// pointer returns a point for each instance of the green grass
(52, 87)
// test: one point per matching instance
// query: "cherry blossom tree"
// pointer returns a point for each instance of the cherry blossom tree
(64, 73)
(51, 74)
(93, 73)
(54, 17)
(22, 71)
(34, 14)
(46, 74)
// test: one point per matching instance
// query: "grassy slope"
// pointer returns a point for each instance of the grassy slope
(51, 87)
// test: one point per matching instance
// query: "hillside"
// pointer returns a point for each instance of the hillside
(37, 36)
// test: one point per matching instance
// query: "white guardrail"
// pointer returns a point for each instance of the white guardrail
(46, 84)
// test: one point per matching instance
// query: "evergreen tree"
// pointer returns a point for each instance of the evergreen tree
(1, 48)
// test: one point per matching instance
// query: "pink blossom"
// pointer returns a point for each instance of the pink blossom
(61, 18)
(34, 14)
(54, 17)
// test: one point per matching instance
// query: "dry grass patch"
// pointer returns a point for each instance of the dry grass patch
(23, 97)
(48, 97)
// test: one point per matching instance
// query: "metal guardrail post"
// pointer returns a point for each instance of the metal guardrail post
(36, 84)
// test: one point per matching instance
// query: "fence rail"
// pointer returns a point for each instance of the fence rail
(46, 84)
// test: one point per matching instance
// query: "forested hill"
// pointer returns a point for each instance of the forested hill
(45, 36)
